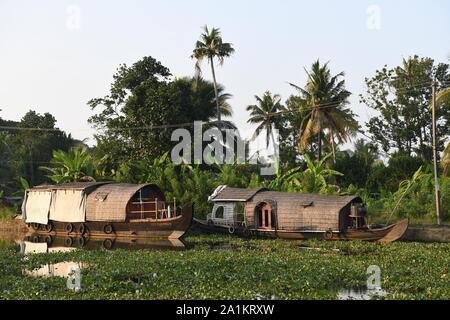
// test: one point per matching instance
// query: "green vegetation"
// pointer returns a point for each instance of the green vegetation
(146, 103)
(7, 213)
(225, 267)
(75, 165)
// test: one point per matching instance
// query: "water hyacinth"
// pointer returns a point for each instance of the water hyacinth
(249, 269)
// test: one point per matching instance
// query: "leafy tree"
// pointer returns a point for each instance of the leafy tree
(402, 97)
(139, 98)
(32, 144)
(196, 99)
(325, 97)
(356, 166)
(211, 46)
(137, 116)
(400, 167)
(5, 157)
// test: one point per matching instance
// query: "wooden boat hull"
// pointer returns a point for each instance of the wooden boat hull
(172, 228)
(386, 234)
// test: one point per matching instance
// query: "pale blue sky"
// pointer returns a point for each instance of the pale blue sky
(48, 62)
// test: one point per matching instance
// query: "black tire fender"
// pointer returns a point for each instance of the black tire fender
(328, 234)
(68, 228)
(108, 228)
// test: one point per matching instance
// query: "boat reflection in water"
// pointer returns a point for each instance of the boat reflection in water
(35, 243)
(46, 243)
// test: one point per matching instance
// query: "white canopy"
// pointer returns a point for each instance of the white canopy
(68, 206)
(37, 206)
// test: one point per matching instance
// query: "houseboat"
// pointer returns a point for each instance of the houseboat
(294, 216)
(102, 209)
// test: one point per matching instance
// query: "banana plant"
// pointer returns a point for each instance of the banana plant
(72, 166)
(314, 179)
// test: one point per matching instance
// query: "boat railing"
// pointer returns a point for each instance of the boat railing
(156, 209)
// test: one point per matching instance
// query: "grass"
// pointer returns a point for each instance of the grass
(6, 213)
(225, 267)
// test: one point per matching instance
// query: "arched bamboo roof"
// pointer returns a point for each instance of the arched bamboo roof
(109, 202)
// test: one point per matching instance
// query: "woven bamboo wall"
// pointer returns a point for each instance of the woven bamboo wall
(293, 212)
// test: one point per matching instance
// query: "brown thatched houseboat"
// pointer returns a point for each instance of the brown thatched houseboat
(295, 216)
(103, 209)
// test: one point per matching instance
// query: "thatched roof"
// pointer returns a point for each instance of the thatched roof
(235, 194)
(290, 198)
(69, 186)
(294, 199)
(109, 202)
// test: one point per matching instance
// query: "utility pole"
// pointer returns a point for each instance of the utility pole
(435, 161)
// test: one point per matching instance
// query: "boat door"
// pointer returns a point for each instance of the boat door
(265, 217)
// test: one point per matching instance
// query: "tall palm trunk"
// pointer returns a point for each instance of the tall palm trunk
(319, 144)
(215, 88)
(333, 150)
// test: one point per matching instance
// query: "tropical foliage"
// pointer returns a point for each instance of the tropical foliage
(446, 160)
(145, 104)
(402, 97)
(325, 98)
(315, 179)
(75, 165)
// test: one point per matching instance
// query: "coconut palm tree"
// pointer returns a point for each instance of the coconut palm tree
(325, 98)
(211, 46)
(445, 161)
(205, 93)
(265, 115)
(443, 97)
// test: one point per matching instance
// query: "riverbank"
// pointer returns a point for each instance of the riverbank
(427, 233)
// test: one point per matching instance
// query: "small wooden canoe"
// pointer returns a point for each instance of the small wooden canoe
(386, 234)
(167, 228)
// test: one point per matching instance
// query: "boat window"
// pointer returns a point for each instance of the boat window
(101, 196)
(239, 207)
(219, 213)
(266, 218)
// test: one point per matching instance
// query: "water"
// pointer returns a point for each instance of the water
(61, 269)
(46, 243)
(38, 244)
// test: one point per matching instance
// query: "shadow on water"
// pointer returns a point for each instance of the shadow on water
(63, 243)
(39, 243)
